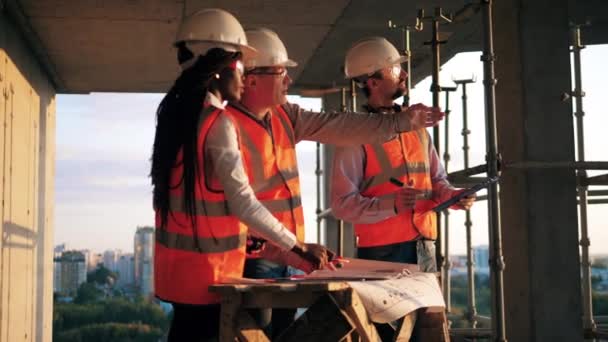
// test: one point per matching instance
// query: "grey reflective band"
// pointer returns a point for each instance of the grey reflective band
(203, 208)
(207, 244)
(276, 180)
(387, 169)
(279, 205)
(286, 126)
(396, 172)
(219, 209)
(257, 164)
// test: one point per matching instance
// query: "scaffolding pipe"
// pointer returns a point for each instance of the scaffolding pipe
(473, 333)
(578, 94)
(325, 213)
(340, 237)
(596, 180)
(577, 165)
(497, 263)
(353, 96)
(470, 171)
(435, 42)
(405, 31)
(471, 307)
(318, 173)
(447, 265)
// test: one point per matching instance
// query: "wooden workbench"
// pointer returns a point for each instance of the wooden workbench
(335, 312)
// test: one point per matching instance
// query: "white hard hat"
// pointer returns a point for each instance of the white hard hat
(271, 50)
(213, 28)
(370, 55)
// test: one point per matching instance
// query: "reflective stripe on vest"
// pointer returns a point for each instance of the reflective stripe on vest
(188, 258)
(207, 245)
(270, 159)
(404, 158)
(218, 209)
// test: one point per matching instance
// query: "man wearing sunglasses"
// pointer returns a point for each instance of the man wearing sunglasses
(268, 128)
(391, 223)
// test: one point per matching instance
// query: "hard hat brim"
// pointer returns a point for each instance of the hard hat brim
(248, 51)
(290, 64)
(401, 59)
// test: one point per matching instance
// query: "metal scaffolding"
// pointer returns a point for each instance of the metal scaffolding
(493, 167)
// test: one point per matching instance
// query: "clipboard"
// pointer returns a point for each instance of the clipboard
(453, 200)
(467, 192)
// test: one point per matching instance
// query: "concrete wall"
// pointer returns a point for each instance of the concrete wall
(27, 157)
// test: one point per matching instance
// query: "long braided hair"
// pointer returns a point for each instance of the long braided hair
(177, 126)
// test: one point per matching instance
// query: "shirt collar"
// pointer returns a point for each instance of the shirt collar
(394, 109)
(214, 101)
(245, 110)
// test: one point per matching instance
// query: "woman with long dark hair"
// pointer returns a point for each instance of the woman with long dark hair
(199, 180)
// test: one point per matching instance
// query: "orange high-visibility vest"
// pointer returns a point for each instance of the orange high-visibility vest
(405, 158)
(269, 155)
(183, 268)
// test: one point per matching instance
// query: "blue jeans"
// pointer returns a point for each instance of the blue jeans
(420, 252)
(273, 324)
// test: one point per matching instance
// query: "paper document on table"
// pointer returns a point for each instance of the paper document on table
(359, 269)
(390, 299)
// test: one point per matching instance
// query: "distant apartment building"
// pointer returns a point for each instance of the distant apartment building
(94, 260)
(57, 274)
(143, 248)
(126, 270)
(481, 256)
(59, 249)
(71, 271)
(110, 259)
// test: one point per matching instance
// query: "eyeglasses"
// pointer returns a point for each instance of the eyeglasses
(395, 70)
(282, 72)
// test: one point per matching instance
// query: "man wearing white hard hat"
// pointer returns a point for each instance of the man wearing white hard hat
(202, 198)
(269, 127)
(392, 223)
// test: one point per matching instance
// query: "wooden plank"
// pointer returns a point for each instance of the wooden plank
(350, 302)
(280, 299)
(300, 286)
(406, 328)
(248, 330)
(323, 321)
(228, 318)
(431, 325)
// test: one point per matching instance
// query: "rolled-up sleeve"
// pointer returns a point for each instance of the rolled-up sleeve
(223, 153)
(345, 129)
(347, 203)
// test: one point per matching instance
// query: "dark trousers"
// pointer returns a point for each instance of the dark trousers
(404, 252)
(272, 321)
(194, 323)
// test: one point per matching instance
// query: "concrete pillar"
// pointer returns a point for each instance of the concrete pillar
(27, 159)
(539, 213)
